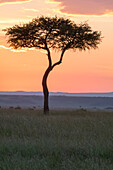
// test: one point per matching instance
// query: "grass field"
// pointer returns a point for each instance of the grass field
(62, 140)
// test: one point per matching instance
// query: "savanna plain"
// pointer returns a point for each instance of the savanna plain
(62, 140)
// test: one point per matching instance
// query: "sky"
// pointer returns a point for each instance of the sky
(89, 71)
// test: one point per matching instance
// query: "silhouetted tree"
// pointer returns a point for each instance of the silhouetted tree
(57, 33)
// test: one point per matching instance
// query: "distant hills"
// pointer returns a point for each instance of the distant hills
(110, 94)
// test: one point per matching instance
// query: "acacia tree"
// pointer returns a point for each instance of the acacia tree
(57, 33)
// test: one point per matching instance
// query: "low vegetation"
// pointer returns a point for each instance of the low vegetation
(62, 140)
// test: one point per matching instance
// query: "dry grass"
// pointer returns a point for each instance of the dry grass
(62, 140)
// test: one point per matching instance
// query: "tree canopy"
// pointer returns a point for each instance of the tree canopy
(57, 33)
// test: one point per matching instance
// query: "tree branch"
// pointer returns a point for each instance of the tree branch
(61, 57)
(47, 49)
(49, 57)
(39, 47)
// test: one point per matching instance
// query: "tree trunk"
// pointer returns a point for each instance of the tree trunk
(44, 80)
(45, 90)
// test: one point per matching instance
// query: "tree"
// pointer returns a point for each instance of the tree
(57, 33)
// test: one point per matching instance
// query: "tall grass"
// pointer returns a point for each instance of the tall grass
(62, 140)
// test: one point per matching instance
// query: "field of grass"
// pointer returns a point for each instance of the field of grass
(62, 140)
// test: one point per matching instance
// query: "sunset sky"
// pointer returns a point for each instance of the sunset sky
(89, 71)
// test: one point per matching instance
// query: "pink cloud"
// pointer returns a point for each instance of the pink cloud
(86, 7)
(2, 2)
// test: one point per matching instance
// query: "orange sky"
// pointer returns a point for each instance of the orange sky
(90, 71)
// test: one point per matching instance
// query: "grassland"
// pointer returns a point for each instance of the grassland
(62, 140)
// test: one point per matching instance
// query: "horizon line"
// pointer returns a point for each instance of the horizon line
(17, 91)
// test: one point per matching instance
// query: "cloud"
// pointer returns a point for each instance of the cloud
(53, 2)
(8, 21)
(21, 50)
(4, 47)
(11, 49)
(3, 2)
(85, 7)
(30, 9)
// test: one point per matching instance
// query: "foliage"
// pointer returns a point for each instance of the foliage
(66, 140)
(57, 33)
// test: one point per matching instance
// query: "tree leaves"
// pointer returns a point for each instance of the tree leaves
(57, 33)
